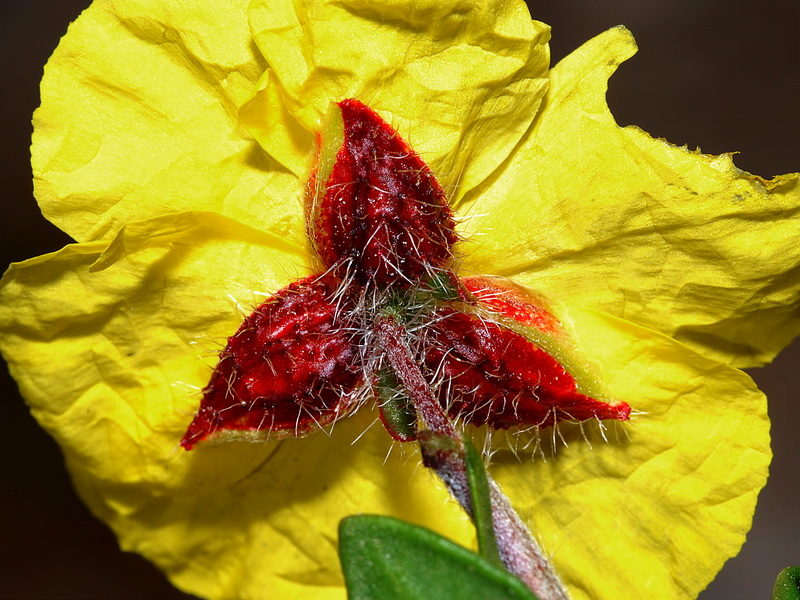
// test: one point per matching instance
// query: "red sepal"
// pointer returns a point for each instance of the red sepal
(382, 216)
(290, 369)
(495, 376)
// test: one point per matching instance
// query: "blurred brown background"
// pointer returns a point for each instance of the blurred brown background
(720, 74)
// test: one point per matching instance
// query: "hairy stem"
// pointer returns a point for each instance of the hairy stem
(443, 451)
(392, 338)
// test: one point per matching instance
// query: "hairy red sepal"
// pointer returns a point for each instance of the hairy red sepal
(382, 216)
(497, 377)
(290, 369)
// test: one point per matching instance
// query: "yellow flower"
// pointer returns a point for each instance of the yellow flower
(171, 144)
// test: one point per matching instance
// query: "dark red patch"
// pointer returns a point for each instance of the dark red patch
(288, 370)
(383, 218)
(497, 377)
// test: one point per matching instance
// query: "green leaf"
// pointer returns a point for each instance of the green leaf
(787, 585)
(481, 504)
(387, 559)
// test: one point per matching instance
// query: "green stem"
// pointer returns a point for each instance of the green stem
(480, 497)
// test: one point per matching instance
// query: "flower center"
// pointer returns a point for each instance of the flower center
(389, 319)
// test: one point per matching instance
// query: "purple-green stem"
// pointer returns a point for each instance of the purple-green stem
(443, 451)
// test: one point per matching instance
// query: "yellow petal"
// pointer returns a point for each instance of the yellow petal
(196, 227)
(138, 340)
(608, 217)
(655, 511)
(139, 118)
(463, 81)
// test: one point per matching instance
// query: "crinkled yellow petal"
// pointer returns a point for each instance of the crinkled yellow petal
(138, 339)
(197, 227)
(655, 511)
(608, 217)
(462, 80)
(139, 117)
